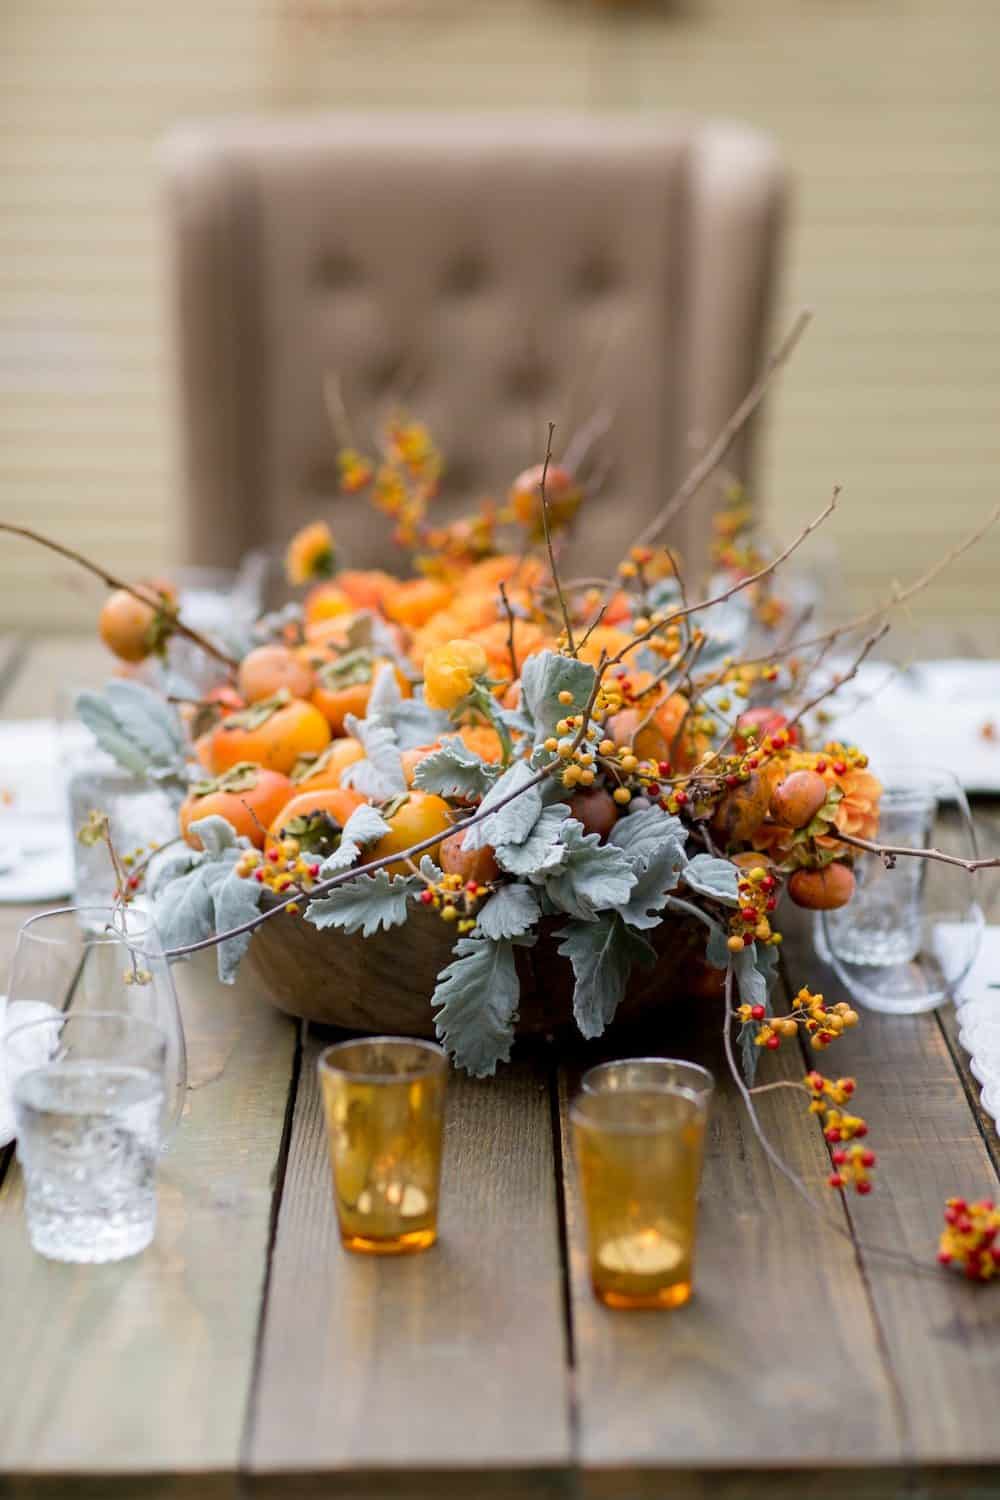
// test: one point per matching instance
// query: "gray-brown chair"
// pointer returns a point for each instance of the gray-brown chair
(494, 274)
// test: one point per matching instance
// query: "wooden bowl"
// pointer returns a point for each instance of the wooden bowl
(384, 983)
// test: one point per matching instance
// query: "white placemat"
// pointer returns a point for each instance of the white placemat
(36, 842)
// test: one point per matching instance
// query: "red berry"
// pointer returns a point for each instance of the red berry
(973, 1271)
(847, 1085)
(753, 762)
(995, 1253)
(868, 1158)
(313, 870)
(839, 1157)
(773, 1043)
(757, 1012)
(768, 883)
(959, 1205)
(133, 882)
(732, 781)
(747, 939)
(821, 765)
(964, 1224)
(653, 789)
(863, 1187)
(273, 855)
(944, 1257)
(258, 875)
(832, 1133)
(427, 897)
(835, 1180)
(986, 1204)
(951, 1215)
(748, 914)
(770, 904)
(681, 797)
(471, 887)
(839, 767)
(664, 768)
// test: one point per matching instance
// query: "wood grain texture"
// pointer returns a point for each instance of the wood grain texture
(450, 1359)
(942, 1338)
(145, 1366)
(777, 1350)
(895, 238)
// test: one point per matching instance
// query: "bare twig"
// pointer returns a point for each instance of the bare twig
(177, 625)
(843, 679)
(891, 852)
(510, 630)
(717, 451)
(567, 623)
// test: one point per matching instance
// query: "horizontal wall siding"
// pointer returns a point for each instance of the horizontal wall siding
(887, 112)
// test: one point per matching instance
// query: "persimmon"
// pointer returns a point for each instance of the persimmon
(203, 749)
(315, 819)
(275, 734)
(366, 588)
(344, 685)
(508, 567)
(325, 601)
(606, 638)
(562, 496)
(741, 811)
(414, 818)
(797, 799)
(479, 865)
(413, 602)
(130, 628)
(595, 809)
(483, 740)
(249, 797)
(822, 890)
(316, 773)
(495, 640)
(268, 669)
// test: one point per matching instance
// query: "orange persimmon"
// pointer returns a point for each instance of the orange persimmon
(267, 669)
(249, 797)
(274, 734)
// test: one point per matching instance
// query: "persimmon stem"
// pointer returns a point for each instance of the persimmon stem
(110, 581)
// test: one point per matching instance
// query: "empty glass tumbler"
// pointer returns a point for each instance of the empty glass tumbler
(88, 1095)
(103, 958)
(639, 1155)
(384, 1106)
(649, 1073)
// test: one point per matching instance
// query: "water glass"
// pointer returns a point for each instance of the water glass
(639, 1155)
(911, 932)
(140, 814)
(103, 958)
(650, 1073)
(88, 1101)
(384, 1105)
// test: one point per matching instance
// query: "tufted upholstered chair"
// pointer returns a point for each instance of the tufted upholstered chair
(491, 274)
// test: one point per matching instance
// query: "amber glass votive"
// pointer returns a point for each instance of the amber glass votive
(384, 1104)
(639, 1155)
(650, 1073)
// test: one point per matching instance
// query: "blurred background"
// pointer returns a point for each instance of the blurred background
(885, 111)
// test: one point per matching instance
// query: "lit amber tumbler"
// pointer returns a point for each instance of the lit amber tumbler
(384, 1105)
(639, 1154)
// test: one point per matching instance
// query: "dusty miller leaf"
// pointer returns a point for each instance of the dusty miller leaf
(217, 835)
(368, 904)
(594, 876)
(412, 722)
(510, 824)
(380, 774)
(455, 771)
(197, 895)
(642, 834)
(542, 850)
(364, 826)
(475, 1004)
(137, 728)
(602, 954)
(716, 878)
(717, 948)
(510, 912)
(543, 677)
(656, 876)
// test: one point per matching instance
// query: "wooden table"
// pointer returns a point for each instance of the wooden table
(245, 1353)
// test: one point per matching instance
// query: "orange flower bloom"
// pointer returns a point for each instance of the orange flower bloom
(311, 554)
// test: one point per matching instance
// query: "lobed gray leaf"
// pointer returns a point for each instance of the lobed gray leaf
(455, 771)
(543, 677)
(713, 877)
(475, 1004)
(593, 877)
(542, 850)
(656, 876)
(513, 823)
(369, 904)
(510, 912)
(602, 954)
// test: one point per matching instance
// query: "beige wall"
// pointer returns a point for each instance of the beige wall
(887, 110)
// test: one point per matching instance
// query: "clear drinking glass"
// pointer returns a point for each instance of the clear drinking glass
(384, 1105)
(911, 932)
(639, 1154)
(139, 812)
(649, 1073)
(100, 958)
(88, 1102)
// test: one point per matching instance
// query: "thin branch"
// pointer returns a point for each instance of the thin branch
(177, 625)
(510, 630)
(717, 451)
(741, 583)
(567, 623)
(844, 679)
(889, 853)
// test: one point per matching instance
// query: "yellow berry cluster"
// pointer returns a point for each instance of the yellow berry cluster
(578, 759)
(750, 923)
(823, 1023)
(852, 1164)
(968, 1240)
(842, 758)
(455, 899)
(283, 869)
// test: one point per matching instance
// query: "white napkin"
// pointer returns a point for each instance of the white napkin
(36, 842)
(20, 1013)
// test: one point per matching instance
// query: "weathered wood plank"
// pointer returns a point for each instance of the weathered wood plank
(451, 1359)
(940, 1333)
(146, 1366)
(775, 1361)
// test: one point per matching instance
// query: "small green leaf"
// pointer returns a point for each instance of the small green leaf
(594, 877)
(369, 904)
(475, 1004)
(510, 912)
(602, 954)
(712, 877)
